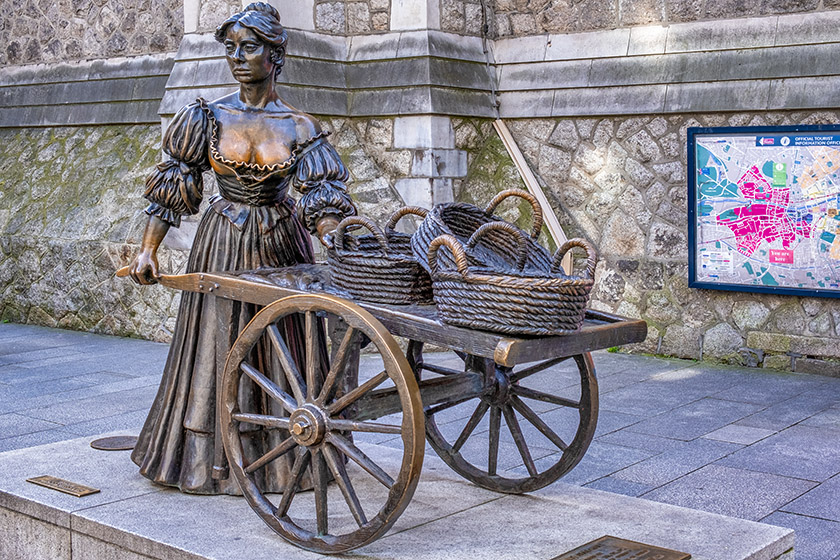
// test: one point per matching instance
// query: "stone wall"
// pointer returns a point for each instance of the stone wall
(531, 17)
(213, 12)
(61, 31)
(70, 215)
(465, 17)
(620, 182)
(352, 17)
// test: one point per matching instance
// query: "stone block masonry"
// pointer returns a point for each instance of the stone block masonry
(60, 31)
(517, 18)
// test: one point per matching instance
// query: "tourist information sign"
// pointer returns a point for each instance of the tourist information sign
(764, 209)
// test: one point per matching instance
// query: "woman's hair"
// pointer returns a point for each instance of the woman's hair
(264, 20)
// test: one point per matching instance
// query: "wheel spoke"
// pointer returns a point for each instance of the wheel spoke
(544, 397)
(262, 420)
(432, 410)
(538, 423)
(516, 432)
(287, 363)
(357, 393)
(476, 417)
(336, 466)
(495, 425)
(346, 446)
(298, 469)
(337, 367)
(440, 369)
(319, 475)
(536, 368)
(271, 388)
(352, 426)
(278, 451)
(312, 354)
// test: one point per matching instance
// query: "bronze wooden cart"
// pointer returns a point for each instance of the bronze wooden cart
(328, 420)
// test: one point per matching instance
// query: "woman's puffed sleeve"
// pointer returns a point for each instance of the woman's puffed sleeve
(320, 176)
(175, 187)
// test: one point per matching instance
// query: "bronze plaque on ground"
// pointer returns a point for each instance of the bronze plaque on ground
(613, 548)
(72, 488)
(115, 443)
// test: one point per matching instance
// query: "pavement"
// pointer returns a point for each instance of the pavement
(746, 443)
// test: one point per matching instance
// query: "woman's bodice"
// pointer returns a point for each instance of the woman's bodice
(254, 152)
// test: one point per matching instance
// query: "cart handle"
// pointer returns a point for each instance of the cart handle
(457, 251)
(591, 256)
(538, 213)
(404, 211)
(338, 236)
(508, 229)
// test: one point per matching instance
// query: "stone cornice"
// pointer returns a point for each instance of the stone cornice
(112, 91)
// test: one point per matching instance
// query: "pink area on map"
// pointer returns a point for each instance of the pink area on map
(756, 223)
(781, 256)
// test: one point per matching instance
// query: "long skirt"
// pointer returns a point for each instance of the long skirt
(178, 444)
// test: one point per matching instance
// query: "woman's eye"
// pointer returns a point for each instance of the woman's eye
(251, 48)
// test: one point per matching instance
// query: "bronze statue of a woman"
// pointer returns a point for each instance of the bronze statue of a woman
(258, 146)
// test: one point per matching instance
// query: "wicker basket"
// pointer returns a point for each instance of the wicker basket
(496, 250)
(379, 267)
(510, 300)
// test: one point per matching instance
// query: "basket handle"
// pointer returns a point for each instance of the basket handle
(509, 229)
(591, 256)
(538, 213)
(457, 251)
(338, 236)
(404, 211)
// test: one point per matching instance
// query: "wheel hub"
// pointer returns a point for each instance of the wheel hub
(500, 389)
(308, 425)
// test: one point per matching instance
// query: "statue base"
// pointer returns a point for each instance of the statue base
(132, 519)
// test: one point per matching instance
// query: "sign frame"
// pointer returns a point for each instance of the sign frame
(770, 131)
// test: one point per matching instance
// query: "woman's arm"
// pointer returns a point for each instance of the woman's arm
(144, 267)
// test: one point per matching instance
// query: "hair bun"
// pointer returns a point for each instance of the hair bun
(263, 7)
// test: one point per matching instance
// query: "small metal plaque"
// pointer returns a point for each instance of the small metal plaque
(72, 488)
(116, 443)
(613, 548)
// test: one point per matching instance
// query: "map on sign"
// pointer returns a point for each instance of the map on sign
(766, 209)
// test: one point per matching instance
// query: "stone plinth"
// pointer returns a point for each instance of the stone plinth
(448, 518)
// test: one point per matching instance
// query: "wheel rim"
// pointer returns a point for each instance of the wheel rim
(547, 450)
(317, 426)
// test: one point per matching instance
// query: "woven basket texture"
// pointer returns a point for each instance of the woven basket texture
(379, 267)
(509, 301)
(495, 250)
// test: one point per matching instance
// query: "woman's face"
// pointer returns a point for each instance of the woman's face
(248, 57)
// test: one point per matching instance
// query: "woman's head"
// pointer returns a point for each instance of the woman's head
(264, 21)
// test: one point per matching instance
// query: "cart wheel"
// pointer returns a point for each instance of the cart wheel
(550, 420)
(315, 413)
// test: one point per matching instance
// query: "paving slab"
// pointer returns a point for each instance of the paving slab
(647, 398)
(823, 501)
(133, 519)
(802, 452)
(676, 462)
(816, 539)
(745, 435)
(695, 419)
(735, 492)
(618, 486)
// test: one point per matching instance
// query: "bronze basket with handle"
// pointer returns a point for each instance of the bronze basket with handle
(510, 300)
(379, 267)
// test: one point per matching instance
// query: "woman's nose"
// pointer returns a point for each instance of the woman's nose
(237, 54)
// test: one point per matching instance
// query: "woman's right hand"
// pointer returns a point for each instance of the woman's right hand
(144, 268)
